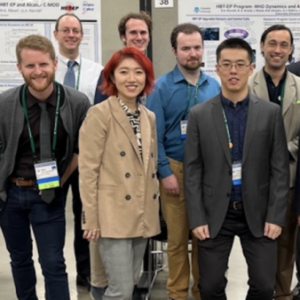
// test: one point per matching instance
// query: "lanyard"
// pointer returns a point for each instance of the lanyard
(28, 124)
(188, 99)
(282, 93)
(230, 145)
(78, 77)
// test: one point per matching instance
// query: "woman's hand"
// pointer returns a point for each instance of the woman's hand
(91, 234)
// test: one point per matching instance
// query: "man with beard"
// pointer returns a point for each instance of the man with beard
(276, 84)
(82, 74)
(39, 123)
(174, 94)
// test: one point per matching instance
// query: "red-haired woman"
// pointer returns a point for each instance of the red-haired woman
(117, 166)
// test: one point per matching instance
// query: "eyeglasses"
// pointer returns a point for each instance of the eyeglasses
(226, 66)
(68, 30)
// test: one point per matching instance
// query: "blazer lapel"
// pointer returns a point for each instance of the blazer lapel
(146, 137)
(289, 93)
(250, 126)
(260, 88)
(220, 127)
(120, 116)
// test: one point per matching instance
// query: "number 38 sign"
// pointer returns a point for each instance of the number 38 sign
(164, 3)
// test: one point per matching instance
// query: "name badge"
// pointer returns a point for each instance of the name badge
(183, 128)
(237, 173)
(47, 175)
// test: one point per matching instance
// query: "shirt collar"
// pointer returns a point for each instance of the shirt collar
(226, 102)
(269, 78)
(178, 76)
(65, 60)
(31, 100)
(127, 110)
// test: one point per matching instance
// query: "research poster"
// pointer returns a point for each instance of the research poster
(243, 19)
(19, 18)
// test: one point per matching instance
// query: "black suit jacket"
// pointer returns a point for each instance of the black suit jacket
(207, 166)
(294, 68)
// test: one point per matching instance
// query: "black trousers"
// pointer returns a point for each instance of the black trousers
(81, 246)
(260, 254)
(298, 255)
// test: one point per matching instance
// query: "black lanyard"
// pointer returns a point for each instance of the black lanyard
(28, 124)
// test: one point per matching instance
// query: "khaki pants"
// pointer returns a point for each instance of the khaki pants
(98, 276)
(286, 253)
(175, 215)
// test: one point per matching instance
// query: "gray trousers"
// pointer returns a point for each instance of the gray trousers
(122, 259)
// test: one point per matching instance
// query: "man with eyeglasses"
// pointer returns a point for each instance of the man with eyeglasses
(173, 96)
(236, 177)
(276, 84)
(82, 74)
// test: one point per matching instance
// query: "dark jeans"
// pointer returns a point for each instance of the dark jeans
(260, 254)
(81, 246)
(24, 208)
(298, 255)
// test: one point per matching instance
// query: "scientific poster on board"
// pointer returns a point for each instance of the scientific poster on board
(246, 19)
(19, 18)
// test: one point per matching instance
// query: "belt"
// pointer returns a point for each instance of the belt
(19, 181)
(236, 205)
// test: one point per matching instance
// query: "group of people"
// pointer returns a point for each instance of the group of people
(220, 160)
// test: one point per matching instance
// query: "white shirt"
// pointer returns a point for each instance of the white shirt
(87, 70)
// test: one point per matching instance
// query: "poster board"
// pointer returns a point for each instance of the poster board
(19, 18)
(244, 19)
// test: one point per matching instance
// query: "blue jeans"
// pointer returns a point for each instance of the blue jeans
(24, 207)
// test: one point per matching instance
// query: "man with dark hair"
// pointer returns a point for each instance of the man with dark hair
(39, 123)
(174, 94)
(276, 84)
(236, 177)
(135, 30)
(81, 74)
(295, 69)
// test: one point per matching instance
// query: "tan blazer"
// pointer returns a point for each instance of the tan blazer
(290, 112)
(119, 190)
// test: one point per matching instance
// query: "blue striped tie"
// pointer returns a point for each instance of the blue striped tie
(69, 79)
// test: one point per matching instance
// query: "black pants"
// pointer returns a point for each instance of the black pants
(260, 254)
(298, 255)
(81, 246)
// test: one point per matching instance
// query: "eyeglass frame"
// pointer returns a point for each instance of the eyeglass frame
(230, 65)
(66, 31)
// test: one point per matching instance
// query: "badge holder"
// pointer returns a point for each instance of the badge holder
(236, 173)
(47, 175)
(183, 128)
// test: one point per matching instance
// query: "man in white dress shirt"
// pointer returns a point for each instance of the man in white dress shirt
(82, 74)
